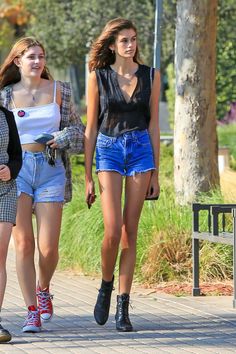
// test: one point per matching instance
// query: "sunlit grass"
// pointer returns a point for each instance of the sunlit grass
(164, 239)
(227, 138)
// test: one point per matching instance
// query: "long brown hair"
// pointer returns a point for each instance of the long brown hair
(100, 54)
(9, 71)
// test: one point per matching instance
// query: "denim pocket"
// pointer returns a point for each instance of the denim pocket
(59, 163)
(23, 155)
(143, 139)
(104, 141)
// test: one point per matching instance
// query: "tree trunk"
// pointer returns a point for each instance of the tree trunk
(195, 138)
(74, 79)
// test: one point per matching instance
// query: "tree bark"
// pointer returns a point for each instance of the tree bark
(195, 138)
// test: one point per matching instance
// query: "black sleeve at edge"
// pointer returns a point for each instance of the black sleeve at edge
(14, 147)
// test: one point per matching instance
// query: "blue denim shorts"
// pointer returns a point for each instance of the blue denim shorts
(127, 154)
(44, 183)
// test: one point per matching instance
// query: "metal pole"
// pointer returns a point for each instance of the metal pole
(157, 38)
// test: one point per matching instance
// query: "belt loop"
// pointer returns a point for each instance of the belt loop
(134, 136)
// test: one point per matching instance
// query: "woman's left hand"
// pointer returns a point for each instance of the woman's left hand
(153, 187)
(5, 173)
(90, 193)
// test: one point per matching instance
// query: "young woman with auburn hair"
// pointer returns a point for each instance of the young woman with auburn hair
(122, 125)
(40, 105)
(9, 73)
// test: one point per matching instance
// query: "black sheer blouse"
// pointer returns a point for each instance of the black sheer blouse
(116, 115)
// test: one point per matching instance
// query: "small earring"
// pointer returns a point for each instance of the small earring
(113, 52)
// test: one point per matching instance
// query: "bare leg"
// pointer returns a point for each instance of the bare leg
(5, 234)
(110, 188)
(135, 191)
(25, 247)
(48, 217)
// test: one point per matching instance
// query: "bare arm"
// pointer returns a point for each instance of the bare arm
(91, 135)
(154, 132)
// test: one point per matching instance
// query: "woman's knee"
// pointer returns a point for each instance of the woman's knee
(4, 242)
(3, 257)
(49, 254)
(24, 246)
(112, 236)
(129, 238)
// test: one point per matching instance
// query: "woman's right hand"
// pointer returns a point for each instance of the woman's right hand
(5, 173)
(90, 193)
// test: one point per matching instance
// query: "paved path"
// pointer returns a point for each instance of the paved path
(164, 118)
(163, 323)
(228, 184)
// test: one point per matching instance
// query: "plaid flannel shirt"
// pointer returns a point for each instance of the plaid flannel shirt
(70, 137)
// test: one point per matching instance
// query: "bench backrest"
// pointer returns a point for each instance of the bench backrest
(213, 212)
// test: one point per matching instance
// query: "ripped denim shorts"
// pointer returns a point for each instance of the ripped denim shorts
(127, 154)
(41, 181)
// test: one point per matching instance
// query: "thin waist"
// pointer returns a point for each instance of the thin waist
(34, 147)
(133, 134)
(39, 154)
(34, 153)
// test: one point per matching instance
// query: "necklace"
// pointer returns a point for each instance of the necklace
(21, 113)
(126, 79)
(127, 76)
(30, 92)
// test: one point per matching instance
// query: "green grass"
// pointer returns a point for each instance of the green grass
(164, 240)
(227, 138)
(81, 236)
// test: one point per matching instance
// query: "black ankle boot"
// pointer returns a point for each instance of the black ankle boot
(102, 307)
(123, 323)
(5, 336)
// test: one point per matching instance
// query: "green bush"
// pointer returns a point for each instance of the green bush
(164, 240)
(170, 93)
(226, 137)
(82, 231)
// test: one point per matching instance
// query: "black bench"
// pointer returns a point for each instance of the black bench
(215, 231)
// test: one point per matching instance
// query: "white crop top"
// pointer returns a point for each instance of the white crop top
(32, 121)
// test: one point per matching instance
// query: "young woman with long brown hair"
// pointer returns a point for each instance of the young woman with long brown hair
(40, 105)
(122, 125)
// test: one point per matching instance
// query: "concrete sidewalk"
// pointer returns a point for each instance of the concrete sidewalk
(163, 323)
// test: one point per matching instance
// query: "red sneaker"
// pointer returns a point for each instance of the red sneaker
(45, 303)
(32, 322)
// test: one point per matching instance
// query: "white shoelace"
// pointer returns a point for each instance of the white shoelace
(44, 298)
(31, 317)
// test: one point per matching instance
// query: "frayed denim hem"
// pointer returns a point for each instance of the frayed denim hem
(109, 170)
(144, 171)
(124, 173)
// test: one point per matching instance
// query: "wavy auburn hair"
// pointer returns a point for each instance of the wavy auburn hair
(100, 54)
(9, 71)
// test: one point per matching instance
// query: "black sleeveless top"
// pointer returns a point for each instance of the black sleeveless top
(116, 116)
